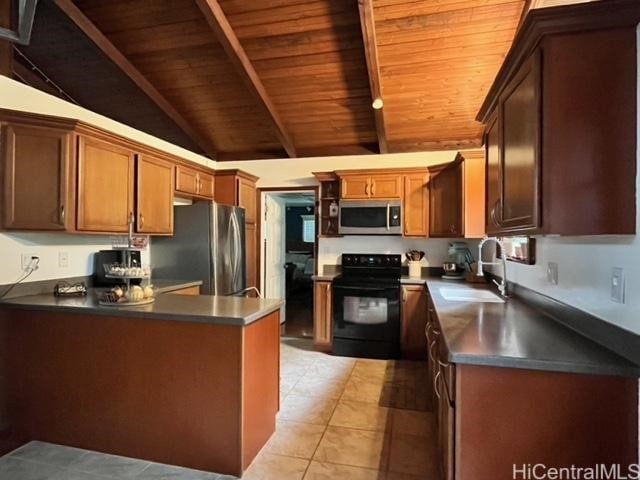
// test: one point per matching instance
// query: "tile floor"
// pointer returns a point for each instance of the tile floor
(340, 418)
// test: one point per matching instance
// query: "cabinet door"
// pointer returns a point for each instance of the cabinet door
(474, 196)
(186, 180)
(247, 198)
(493, 206)
(520, 124)
(414, 321)
(251, 243)
(385, 186)
(322, 315)
(36, 164)
(416, 205)
(355, 186)
(105, 186)
(445, 202)
(154, 206)
(205, 185)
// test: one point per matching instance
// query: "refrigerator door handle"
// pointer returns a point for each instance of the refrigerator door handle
(238, 249)
(232, 247)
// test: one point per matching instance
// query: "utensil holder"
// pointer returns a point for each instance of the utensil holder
(415, 268)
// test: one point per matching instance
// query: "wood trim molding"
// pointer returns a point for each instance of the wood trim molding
(110, 50)
(236, 173)
(368, 27)
(541, 22)
(218, 22)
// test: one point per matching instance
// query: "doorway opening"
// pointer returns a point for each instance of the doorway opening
(289, 254)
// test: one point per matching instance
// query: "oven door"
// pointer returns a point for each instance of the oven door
(366, 312)
(370, 218)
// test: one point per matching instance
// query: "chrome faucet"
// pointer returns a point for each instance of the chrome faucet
(502, 286)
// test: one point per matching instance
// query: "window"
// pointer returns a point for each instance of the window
(308, 228)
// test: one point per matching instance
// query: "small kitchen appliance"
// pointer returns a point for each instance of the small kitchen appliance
(460, 260)
(370, 217)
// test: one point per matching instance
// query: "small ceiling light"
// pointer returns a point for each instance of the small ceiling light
(377, 103)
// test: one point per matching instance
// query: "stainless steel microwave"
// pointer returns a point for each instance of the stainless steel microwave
(370, 217)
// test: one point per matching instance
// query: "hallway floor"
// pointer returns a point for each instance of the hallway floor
(340, 418)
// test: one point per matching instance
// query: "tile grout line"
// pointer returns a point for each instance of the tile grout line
(327, 424)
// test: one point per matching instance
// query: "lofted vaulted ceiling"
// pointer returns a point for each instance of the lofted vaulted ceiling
(245, 79)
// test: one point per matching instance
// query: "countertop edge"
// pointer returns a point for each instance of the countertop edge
(132, 313)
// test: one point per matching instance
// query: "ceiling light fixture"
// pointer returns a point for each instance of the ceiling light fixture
(377, 104)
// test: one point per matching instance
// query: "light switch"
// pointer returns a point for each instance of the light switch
(617, 284)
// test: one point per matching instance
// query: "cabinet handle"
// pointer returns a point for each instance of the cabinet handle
(62, 214)
(435, 384)
(493, 214)
(373, 187)
(366, 188)
(141, 220)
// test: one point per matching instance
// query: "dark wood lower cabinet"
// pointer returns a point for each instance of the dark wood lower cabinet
(198, 395)
(493, 419)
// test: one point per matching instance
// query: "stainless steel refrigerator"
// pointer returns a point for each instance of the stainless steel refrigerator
(208, 244)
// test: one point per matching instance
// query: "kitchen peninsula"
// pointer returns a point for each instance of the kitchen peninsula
(187, 380)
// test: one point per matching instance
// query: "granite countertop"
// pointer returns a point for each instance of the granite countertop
(238, 311)
(513, 334)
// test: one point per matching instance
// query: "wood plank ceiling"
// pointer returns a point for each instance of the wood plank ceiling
(291, 76)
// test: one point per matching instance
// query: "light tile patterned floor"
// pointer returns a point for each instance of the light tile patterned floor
(340, 418)
(352, 419)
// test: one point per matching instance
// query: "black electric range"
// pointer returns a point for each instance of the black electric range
(366, 306)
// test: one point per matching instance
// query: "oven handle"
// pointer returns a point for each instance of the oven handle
(366, 289)
(388, 212)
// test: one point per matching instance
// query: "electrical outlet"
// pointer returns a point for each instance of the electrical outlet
(552, 273)
(617, 284)
(63, 259)
(25, 261)
(29, 261)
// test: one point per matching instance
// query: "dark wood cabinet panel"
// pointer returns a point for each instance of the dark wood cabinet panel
(154, 195)
(445, 201)
(561, 119)
(520, 122)
(492, 145)
(37, 169)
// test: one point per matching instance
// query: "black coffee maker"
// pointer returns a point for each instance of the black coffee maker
(108, 257)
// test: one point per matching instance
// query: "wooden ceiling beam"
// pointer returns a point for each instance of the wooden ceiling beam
(367, 24)
(218, 22)
(112, 52)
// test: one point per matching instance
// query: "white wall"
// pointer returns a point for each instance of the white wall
(330, 249)
(17, 96)
(47, 246)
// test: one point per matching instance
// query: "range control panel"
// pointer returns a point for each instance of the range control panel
(371, 260)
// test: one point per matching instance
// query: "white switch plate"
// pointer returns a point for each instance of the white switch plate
(552, 273)
(63, 259)
(617, 284)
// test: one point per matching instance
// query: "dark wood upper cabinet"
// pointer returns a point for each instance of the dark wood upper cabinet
(445, 201)
(561, 122)
(520, 153)
(494, 162)
(37, 169)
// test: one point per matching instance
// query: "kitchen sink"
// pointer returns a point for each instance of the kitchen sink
(469, 295)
